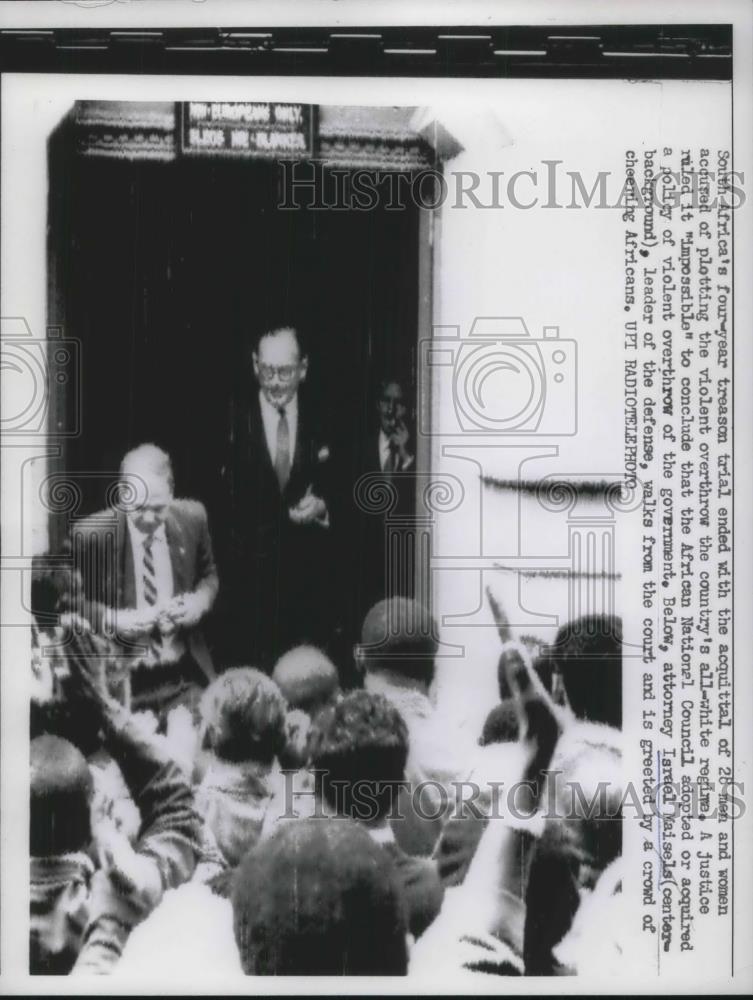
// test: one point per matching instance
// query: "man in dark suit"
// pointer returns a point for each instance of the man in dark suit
(149, 579)
(280, 564)
(386, 460)
(394, 452)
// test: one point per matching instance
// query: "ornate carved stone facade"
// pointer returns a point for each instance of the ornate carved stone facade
(377, 138)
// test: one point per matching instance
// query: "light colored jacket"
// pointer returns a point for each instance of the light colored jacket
(433, 765)
(233, 800)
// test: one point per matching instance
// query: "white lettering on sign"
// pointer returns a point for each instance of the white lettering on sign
(292, 114)
(251, 114)
(239, 138)
(247, 127)
(198, 111)
(280, 140)
(211, 138)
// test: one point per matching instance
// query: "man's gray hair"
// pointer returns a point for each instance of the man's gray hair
(150, 459)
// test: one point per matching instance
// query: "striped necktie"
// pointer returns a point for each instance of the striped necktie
(393, 459)
(282, 455)
(154, 653)
(150, 583)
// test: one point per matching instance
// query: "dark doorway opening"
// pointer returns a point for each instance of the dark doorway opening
(164, 270)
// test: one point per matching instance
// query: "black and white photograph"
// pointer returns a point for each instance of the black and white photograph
(368, 500)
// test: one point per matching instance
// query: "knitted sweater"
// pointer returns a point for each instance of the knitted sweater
(82, 916)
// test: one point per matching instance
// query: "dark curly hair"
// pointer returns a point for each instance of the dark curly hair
(319, 897)
(587, 652)
(358, 749)
(60, 792)
(243, 712)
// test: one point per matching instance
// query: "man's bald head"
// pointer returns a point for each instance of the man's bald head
(307, 678)
(399, 635)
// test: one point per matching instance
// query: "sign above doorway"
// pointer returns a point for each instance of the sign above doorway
(374, 138)
(247, 129)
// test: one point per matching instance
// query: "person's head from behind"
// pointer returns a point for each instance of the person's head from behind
(61, 792)
(358, 749)
(307, 679)
(243, 717)
(147, 486)
(399, 643)
(587, 652)
(60, 836)
(280, 364)
(319, 898)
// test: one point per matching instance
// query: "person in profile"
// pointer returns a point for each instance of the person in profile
(278, 479)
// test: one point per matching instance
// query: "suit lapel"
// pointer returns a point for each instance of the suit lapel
(298, 452)
(127, 579)
(175, 535)
(177, 549)
(259, 456)
(301, 467)
(258, 441)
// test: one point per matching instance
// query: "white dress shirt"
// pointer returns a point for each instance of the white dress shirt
(384, 455)
(163, 568)
(270, 416)
(171, 646)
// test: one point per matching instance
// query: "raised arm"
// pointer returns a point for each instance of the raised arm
(480, 928)
(131, 881)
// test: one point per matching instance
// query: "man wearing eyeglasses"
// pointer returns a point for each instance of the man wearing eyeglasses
(281, 528)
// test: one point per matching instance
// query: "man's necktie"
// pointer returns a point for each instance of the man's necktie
(393, 459)
(150, 594)
(150, 583)
(282, 456)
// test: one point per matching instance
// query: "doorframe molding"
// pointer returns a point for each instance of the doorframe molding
(373, 138)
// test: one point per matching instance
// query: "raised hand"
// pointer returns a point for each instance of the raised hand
(538, 717)
(500, 617)
(498, 875)
(87, 682)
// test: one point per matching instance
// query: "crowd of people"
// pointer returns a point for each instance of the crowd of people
(292, 827)
(258, 806)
